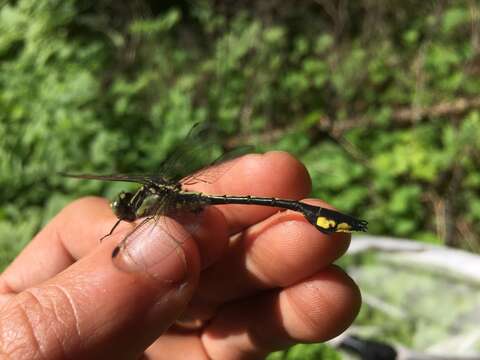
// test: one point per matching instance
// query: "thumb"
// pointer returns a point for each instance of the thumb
(102, 307)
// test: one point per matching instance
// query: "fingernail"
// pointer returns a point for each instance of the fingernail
(153, 251)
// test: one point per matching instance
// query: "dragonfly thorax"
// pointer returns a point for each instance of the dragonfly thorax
(122, 207)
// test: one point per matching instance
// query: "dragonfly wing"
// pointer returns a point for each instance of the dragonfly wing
(198, 154)
(136, 178)
(219, 167)
(190, 154)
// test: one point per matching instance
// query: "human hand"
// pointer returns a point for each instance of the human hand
(247, 281)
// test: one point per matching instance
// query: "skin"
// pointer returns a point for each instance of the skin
(241, 282)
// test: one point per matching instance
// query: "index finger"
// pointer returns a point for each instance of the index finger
(273, 174)
(75, 232)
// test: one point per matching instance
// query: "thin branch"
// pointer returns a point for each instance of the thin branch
(409, 115)
(402, 116)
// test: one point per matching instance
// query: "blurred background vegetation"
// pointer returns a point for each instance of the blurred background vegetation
(380, 99)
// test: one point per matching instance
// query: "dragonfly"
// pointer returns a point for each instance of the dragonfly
(160, 195)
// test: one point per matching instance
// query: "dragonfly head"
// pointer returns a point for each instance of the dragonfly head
(122, 207)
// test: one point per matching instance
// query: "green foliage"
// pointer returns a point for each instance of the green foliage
(80, 91)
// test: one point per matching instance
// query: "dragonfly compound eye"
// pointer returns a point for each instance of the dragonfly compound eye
(122, 208)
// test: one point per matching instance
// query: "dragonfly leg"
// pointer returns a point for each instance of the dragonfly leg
(111, 231)
(125, 239)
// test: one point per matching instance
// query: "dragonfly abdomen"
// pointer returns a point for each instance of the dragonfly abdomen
(325, 220)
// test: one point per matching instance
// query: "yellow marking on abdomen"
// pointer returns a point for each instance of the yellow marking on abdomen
(325, 223)
(344, 227)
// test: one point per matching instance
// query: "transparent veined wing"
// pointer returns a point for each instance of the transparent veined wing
(136, 178)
